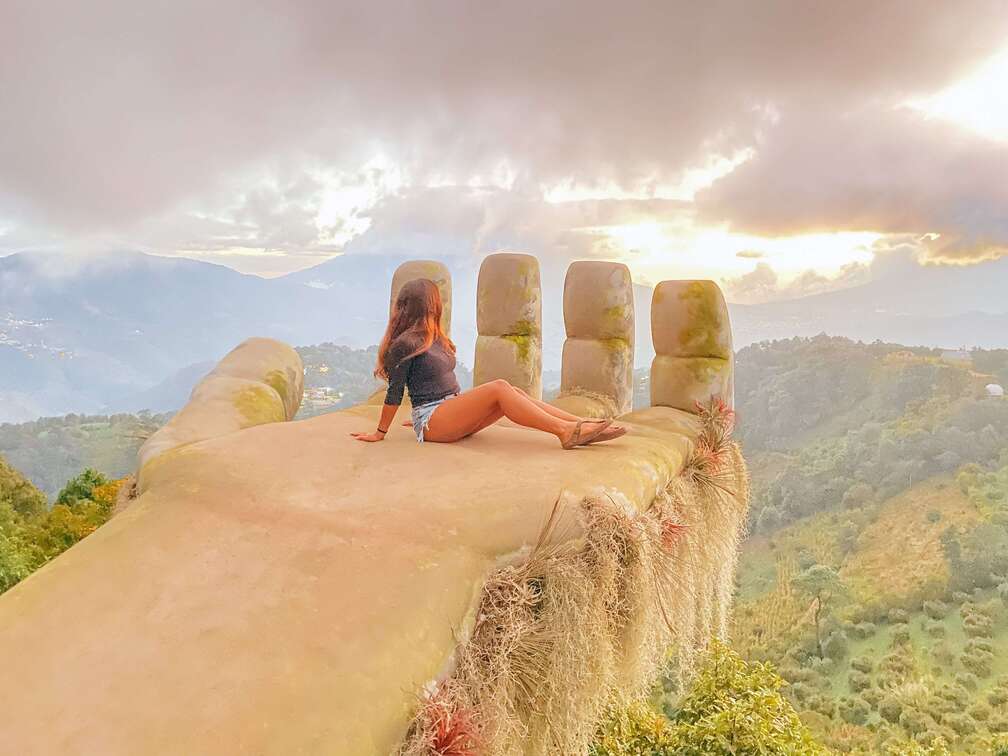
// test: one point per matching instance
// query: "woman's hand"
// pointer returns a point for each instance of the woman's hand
(388, 414)
(370, 437)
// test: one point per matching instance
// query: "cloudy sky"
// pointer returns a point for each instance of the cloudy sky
(777, 146)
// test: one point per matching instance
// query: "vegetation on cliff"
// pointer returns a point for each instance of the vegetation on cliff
(32, 533)
(731, 707)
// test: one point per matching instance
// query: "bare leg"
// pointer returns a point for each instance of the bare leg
(465, 414)
(487, 421)
(555, 411)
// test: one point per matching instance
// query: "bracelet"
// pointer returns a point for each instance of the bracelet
(379, 430)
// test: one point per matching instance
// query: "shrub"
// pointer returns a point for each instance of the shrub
(1002, 591)
(942, 654)
(806, 559)
(864, 630)
(934, 516)
(980, 711)
(835, 646)
(862, 664)
(824, 705)
(732, 707)
(935, 629)
(795, 674)
(984, 645)
(824, 667)
(800, 692)
(913, 721)
(959, 597)
(978, 626)
(890, 708)
(997, 697)
(859, 681)
(854, 710)
(967, 680)
(956, 694)
(872, 696)
(998, 723)
(978, 662)
(936, 610)
(901, 636)
(898, 616)
(638, 729)
(962, 723)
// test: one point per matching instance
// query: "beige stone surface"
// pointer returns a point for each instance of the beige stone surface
(602, 367)
(286, 589)
(435, 271)
(598, 301)
(599, 321)
(690, 319)
(509, 321)
(516, 360)
(681, 382)
(259, 381)
(509, 295)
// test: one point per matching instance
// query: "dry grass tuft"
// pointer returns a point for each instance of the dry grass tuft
(709, 463)
(445, 727)
(588, 622)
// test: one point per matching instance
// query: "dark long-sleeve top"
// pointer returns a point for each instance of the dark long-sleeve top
(429, 376)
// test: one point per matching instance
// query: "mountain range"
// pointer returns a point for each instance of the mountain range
(130, 331)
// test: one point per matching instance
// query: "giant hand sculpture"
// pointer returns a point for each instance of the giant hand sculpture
(278, 588)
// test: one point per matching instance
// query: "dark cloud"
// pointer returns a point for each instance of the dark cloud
(115, 113)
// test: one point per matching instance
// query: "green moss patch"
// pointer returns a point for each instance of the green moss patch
(259, 406)
(702, 333)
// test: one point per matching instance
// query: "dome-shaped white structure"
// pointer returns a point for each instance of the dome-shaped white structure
(994, 389)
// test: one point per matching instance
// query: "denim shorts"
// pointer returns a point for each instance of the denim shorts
(422, 415)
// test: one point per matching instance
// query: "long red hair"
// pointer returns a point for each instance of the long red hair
(417, 311)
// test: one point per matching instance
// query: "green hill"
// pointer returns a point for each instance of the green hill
(875, 577)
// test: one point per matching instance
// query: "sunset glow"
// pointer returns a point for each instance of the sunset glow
(655, 251)
(979, 101)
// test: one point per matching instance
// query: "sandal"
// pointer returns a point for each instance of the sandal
(579, 439)
(607, 434)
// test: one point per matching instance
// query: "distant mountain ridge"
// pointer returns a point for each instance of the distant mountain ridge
(90, 336)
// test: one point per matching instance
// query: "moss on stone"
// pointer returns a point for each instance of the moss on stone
(524, 335)
(615, 344)
(258, 405)
(278, 381)
(704, 370)
(523, 343)
(702, 332)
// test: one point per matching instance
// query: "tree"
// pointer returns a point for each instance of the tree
(823, 584)
(735, 707)
(81, 487)
(19, 493)
(732, 708)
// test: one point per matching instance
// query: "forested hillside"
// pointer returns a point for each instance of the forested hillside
(875, 576)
